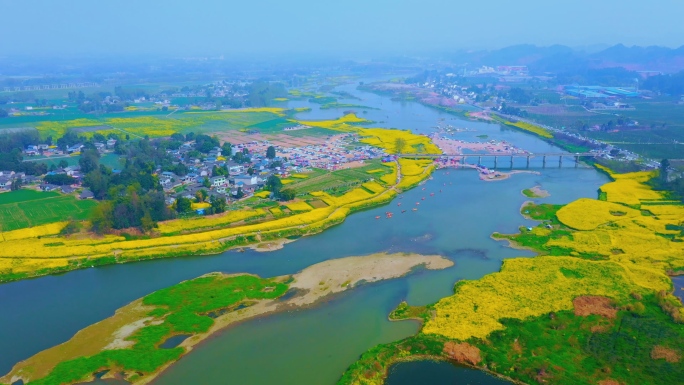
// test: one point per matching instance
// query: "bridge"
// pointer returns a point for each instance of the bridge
(463, 157)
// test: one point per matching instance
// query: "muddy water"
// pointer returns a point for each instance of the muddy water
(311, 346)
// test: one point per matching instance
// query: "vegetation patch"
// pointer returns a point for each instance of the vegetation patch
(180, 309)
(26, 208)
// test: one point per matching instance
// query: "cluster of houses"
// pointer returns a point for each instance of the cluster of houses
(213, 172)
(48, 150)
(331, 155)
(233, 180)
(8, 177)
(244, 179)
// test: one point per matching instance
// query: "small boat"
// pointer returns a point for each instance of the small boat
(377, 217)
(417, 203)
(403, 211)
(423, 188)
(432, 194)
(422, 199)
(399, 204)
(415, 209)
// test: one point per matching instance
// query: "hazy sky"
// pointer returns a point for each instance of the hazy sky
(328, 26)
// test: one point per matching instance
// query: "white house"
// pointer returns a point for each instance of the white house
(218, 181)
(247, 180)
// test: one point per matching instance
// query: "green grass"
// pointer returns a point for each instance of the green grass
(529, 193)
(556, 348)
(338, 182)
(542, 212)
(565, 348)
(182, 309)
(28, 208)
(272, 125)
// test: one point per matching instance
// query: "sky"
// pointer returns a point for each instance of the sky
(249, 27)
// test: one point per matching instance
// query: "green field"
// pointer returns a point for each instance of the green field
(272, 126)
(661, 122)
(27, 208)
(338, 182)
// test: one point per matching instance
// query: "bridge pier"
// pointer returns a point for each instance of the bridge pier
(576, 161)
(511, 161)
(544, 161)
(495, 160)
(479, 160)
(528, 161)
(560, 161)
(463, 161)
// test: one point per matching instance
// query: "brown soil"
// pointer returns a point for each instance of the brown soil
(590, 304)
(462, 352)
(318, 204)
(516, 347)
(669, 355)
(608, 382)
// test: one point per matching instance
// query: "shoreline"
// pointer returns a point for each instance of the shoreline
(223, 244)
(311, 285)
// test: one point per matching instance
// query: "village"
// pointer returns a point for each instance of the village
(214, 174)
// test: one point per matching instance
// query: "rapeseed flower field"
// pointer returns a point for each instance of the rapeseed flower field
(528, 287)
(634, 250)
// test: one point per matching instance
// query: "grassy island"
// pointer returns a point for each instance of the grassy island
(149, 334)
(596, 308)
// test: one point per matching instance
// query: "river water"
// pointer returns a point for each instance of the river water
(314, 345)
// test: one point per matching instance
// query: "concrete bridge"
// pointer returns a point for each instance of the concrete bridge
(462, 157)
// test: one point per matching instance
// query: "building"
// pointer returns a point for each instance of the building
(247, 180)
(86, 194)
(218, 181)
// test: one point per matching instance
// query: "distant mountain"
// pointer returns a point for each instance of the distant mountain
(637, 58)
(560, 58)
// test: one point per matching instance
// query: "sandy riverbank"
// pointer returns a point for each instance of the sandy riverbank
(310, 285)
(492, 147)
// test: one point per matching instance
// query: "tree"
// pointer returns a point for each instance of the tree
(16, 184)
(59, 179)
(227, 149)
(89, 160)
(239, 193)
(287, 194)
(250, 171)
(201, 195)
(400, 145)
(218, 204)
(664, 166)
(101, 217)
(274, 184)
(270, 152)
(206, 183)
(63, 164)
(183, 205)
(72, 227)
(146, 223)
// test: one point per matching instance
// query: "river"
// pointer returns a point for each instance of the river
(315, 345)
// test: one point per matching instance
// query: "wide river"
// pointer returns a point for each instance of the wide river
(315, 345)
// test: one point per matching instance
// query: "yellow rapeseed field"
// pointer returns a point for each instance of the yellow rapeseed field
(637, 260)
(574, 214)
(179, 225)
(33, 232)
(340, 124)
(298, 206)
(375, 187)
(528, 287)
